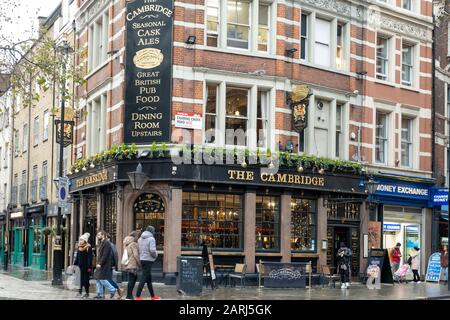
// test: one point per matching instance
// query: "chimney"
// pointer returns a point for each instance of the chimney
(42, 21)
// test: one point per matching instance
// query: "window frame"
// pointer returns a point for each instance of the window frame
(236, 24)
(412, 71)
(386, 60)
(315, 225)
(46, 125)
(276, 223)
(409, 142)
(384, 139)
(36, 131)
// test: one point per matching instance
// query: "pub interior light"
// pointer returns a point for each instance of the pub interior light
(144, 154)
(191, 40)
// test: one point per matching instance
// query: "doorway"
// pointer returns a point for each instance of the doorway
(90, 226)
(341, 234)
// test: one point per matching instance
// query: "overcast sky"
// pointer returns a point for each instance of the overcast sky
(24, 18)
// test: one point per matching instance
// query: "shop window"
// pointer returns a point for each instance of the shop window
(267, 223)
(303, 224)
(149, 210)
(213, 218)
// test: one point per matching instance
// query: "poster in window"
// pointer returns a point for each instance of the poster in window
(374, 231)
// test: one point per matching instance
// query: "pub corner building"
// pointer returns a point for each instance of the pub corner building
(242, 210)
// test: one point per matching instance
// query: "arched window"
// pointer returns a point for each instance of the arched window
(149, 210)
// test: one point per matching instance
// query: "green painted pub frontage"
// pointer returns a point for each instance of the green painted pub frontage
(246, 214)
(28, 244)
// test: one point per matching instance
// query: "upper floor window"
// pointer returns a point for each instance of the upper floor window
(16, 143)
(328, 45)
(408, 5)
(407, 65)
(382, 71)
(304, 37)
(229, 24)
(262, 110)
(96, 125)
(46, 125)
(211, 113)
(98, 41)
(381, 137)
(339, 129)
(238, 24)
(36, 131)
(406, 142)
(5, 156)
(322, 53)
(236, 115)
(25, 138)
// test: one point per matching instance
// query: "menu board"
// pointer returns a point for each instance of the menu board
(355, 251)
(148, 71)
(434, 268)
(190, 275)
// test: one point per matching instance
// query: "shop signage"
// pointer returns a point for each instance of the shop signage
(188, 120)
(284, 275)
(379, 258)
(406, 190)
(68, 132)
(391, 227)
(148, 71)
(286, 178)
(16, 215)
(36, 209)
(94, 179)
(434, 268)
(439, 196)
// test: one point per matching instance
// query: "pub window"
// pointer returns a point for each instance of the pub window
(237, 114)
(263, 29)
(303, 224)
(98, 41)
(96, 125)
(381, 138)
(339, 127)
(213, 218)
(111, 215)
(211, 113)
(238, 20)
(149, 210)
(267, 223)
(262, 109)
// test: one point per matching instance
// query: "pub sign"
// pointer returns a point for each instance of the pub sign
(148, 71)
(68, 132)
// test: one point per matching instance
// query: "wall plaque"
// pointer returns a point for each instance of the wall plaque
(148, 71)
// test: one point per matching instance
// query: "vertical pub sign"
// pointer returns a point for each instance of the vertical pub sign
(148, 71)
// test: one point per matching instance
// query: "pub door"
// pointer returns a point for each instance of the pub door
(90, 226)
(341, 234)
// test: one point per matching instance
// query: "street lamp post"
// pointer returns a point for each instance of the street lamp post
(64, 49)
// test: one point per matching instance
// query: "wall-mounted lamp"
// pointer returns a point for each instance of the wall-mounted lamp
(174, 170)
(191, 40)
(291, 51)
(324, 244)
(144, 154)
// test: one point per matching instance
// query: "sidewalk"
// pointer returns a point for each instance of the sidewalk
(14, 288)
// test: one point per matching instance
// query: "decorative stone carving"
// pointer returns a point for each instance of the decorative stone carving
(90, 12)
(337, 6)
(405, 28)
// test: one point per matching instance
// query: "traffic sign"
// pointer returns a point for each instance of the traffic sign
(63, 191)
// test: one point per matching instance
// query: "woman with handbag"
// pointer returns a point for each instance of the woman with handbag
(130, 261)
(343, 263)
(414, 256)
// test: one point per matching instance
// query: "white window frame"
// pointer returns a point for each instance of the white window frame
(386, 140)
(222, 33)
(386, 60)
(411, 3)
(410, 142)
(46, 125)
(98, 34)
(25, 137)
(415, 59)
(311, 43)
(36, 131)
(96, 134)
(306, 37)
(249, 84)
(210, 32)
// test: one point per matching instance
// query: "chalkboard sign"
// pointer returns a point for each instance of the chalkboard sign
(434, 268)
(284, 275)
(379, 258)
(190, 275)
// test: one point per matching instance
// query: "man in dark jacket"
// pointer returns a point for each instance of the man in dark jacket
(343, 261)
(115, 265)
(103, 271)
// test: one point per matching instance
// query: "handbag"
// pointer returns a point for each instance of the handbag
(409, 260)
(125, 259)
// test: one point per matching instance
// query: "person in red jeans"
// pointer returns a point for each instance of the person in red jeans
(395, 257)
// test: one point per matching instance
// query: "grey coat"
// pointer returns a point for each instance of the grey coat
(147, 247)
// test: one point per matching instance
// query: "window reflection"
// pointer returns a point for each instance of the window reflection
(149, 211)
(267, 222)
(303, 224)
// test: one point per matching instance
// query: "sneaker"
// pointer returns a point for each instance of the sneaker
(156, 298)
(418, 281)
(98, 298)
(79, 294)
(86, 295)
(347, 285)
(343, 286)
(138, 298)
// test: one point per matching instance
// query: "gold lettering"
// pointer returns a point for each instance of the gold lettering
(290, 178)
(250, 175)
(314, 181)
(297, 179)
(321, 182)
(240, 175)
(308, 180)
(264, 176)
(231, 174)
(282, 177)
(272, 178)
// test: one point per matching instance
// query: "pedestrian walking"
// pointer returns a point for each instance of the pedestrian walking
(414, 259)
(114, 266)
(83, 259)
(147, 255)
(395, 257)
(103, 270)
(131, 262)
(444, 262)
(344, 254)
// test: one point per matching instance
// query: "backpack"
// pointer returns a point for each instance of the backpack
(125, 259)
(409, 260)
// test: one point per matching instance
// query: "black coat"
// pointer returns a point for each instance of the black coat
(105, 260)
(84, 259)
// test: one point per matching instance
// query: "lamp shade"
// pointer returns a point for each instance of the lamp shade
(137, 178)
(371, 186)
